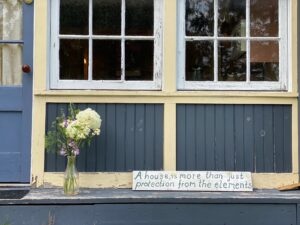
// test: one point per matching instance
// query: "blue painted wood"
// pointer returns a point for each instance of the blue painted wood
(235, 137)
(268, 139)
(120, 137)
(259, 134)
(28, 15)
(279, 143)
(16, 114)
(6, 96)
(249, 148)
(50, 117)
(239, 137)
(11, 146)
(287, 133)
(151, 214)
(149, 136)
(229, 138)
(209, 137)
(191, 133)
(180, 137)
(159, 136)
(220, 137)
(131, 138)
(200, 138)
(139, 136)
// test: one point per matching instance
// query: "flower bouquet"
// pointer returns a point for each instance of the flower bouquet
(68, 135)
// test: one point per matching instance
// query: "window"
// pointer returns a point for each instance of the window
(106, 44)
(233, 45)
(11, 43)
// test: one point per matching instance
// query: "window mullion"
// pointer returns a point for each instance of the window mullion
(248, 73)
(90, 67)
(216, 63)
(123, 41)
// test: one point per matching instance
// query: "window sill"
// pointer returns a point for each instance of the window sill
(105, 93)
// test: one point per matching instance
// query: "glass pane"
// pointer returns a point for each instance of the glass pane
(107, 17)
(10, 65)
(264, 18)
(232, 18)
(74, 17)
(11, 20)
(139, 17)
(264, 61)
(232, 61)
(199, 61)
(199, 18)
(74, 59)
(139, 60)
(107, 60)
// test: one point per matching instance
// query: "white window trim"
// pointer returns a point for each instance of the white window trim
(284, 75)
(155, 84)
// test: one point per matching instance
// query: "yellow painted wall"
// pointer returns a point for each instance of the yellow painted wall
(168, 96)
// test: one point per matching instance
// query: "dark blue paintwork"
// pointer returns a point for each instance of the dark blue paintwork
(131, 139)
(15, 114)
(253, 138)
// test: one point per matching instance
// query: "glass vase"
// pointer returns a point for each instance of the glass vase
(71, 177)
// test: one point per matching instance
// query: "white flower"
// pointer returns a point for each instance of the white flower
(77, 131)
(89, 118)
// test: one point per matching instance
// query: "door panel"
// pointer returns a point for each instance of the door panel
(15, 91)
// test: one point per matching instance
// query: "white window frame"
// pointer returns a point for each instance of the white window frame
(157, 37)
(283, 84)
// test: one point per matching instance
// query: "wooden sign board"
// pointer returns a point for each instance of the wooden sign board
(191, 181)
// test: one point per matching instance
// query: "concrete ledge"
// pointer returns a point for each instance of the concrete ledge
(115, 196)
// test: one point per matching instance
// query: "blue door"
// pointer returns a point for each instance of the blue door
(16, 48)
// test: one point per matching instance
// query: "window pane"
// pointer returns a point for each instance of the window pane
(107, 17)
(139, 17)
(264, 18)
(199, 18)
(74, 16)
(73, 56)
(264, 61)
(232, 61)
(106, 60)
(10, 65)
(199, 61)
(232, 18)
(11, 20)
(139, 60)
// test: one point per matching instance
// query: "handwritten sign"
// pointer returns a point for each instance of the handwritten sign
(191, 181)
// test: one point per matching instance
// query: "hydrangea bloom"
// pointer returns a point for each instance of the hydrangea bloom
(73, 131)
(89, 118)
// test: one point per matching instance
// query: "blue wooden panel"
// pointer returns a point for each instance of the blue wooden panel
(259, 134)
(287, 133)
(131, 139)
(200, 140)
(11, 146)
(151, 214)
(249, 137)
(268, 139)
(209, 112)
(191, 133)
(181, 139)
(229, 138)
(220, 137)
(6, 96)
(253, 138)
(28, 23)
(239, 137)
